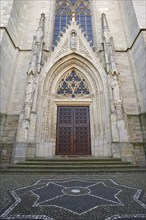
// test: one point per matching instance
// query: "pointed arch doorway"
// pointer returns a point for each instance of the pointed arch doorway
(73, 81)
(73, 130)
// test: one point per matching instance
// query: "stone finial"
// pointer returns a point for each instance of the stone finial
(40, 30)
(109, 49)
(104, 22)
(73, 17)
(37, 48)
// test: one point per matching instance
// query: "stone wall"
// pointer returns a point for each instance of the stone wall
(17, 31)
(112, 11)
(127, 83)
(135, 130)
(5, 10)
(17, 42)
(10, 36)
(143, 127)
(127, 25)
(8, 128)
(34, 11)
(136, 138)
(133, 16)
(140, 11)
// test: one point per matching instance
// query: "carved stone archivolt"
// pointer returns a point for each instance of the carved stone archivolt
(78, 65)
(73, 84)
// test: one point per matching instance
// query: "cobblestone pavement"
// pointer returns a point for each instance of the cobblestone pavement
(73, 197)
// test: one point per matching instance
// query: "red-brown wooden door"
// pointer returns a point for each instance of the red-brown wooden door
(73, 131)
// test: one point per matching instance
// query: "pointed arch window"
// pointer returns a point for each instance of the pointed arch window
(63, 14)
(73, 85)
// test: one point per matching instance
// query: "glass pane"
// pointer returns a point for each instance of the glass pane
(57, 18)
(82, 18)
(56, 32)
(89, 29)
(68, 19)
(63, 23)
(73, 1)
(64, 17)
(56, 28)
(88, 18)
(88, 22)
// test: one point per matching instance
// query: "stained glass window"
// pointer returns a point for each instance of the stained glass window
(63, 15)
(72, 85)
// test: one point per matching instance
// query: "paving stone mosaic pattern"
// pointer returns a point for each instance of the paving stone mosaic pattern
(73, 197)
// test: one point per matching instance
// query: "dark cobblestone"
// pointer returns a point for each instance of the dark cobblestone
(83, 197)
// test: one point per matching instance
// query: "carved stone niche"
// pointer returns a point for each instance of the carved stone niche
(73, 40)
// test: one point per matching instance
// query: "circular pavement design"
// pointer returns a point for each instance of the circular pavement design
(76, 198)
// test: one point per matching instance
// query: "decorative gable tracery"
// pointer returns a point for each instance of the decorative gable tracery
(73, 85)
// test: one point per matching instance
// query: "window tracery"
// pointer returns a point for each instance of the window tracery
(63, 15)
(72, 85)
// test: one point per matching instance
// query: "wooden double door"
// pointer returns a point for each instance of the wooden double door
(73, 131)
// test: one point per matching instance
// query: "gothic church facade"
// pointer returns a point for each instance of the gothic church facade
(73, 79)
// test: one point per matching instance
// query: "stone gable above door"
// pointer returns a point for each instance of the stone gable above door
(72, 41)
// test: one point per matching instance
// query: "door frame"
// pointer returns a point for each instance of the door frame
(80, 103)
(73, 130)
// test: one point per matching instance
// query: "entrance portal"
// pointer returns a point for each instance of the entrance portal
(73, 131)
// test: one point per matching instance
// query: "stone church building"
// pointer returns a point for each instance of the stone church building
(73, 79)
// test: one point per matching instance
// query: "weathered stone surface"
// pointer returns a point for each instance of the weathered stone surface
(5, 154)
(19, 152)
(135, 130)
(117, 128)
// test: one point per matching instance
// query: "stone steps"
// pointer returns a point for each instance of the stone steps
(73, 162)
(75, 158)
(73, 165)
(75, 171)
